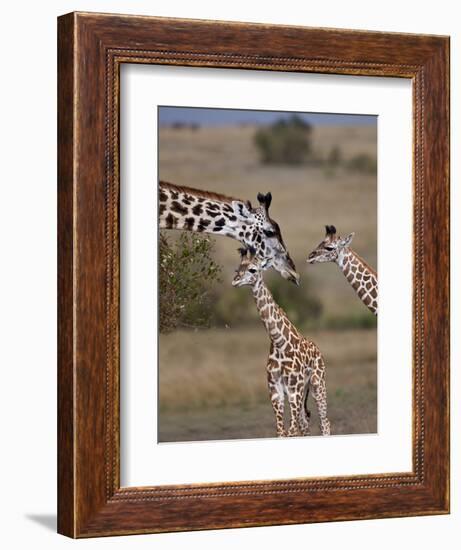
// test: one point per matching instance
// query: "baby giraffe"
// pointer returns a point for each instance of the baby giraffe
(295, 364)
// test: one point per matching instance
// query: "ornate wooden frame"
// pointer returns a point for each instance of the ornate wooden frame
(91, 48)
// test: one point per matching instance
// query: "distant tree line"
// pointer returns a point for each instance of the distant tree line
(289, 141)
(194, 126)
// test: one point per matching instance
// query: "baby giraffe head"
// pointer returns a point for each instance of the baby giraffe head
(330, 248)
(249, 270)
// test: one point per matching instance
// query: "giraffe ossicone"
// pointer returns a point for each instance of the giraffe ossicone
(295, 364)
(362, 278)
(207, 212)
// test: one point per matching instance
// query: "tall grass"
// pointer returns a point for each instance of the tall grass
(219, 368)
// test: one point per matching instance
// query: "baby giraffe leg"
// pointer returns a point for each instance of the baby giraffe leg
(295, 400)
(320, 395)
(304, 423)
(305, 414)
(277, 398)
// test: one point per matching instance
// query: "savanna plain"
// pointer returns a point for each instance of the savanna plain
(212, 380)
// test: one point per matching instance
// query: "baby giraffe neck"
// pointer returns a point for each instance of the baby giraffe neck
(272, 316)
(361, 277)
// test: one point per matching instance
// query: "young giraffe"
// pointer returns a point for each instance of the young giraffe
(203, 211)
(360, 275)
(295, 364)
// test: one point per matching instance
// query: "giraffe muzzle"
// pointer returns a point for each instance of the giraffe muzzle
(315, 257)
(291, 275)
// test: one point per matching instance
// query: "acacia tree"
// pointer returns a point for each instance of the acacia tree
(286, 141)
(187, 273)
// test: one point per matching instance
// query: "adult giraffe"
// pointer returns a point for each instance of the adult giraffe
(362, 278)
(204, 211)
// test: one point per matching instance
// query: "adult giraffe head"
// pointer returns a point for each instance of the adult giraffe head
(204, 211)
(331, 246)
(260, 233)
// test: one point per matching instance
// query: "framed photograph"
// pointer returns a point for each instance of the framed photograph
(226, 195)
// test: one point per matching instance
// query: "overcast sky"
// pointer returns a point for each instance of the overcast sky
(230, 117)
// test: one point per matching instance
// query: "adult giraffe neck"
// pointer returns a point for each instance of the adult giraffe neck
(196, 210)
(207, 212)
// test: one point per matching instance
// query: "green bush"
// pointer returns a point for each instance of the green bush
(286, 141)
(365, 320)
(186, 276)
(363, 163)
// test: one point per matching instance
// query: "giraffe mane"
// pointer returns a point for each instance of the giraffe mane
(199, 192)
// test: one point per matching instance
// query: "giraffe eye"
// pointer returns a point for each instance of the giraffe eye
(329, 248)
(269, 233)
(252, 270)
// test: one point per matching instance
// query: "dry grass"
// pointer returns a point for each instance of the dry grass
(214, 382)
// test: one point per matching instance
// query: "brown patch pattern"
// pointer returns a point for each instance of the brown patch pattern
(361, 277)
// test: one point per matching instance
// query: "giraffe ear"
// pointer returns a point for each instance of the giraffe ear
(243, 211)
(347, 240)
